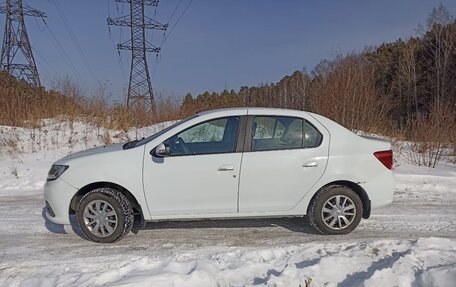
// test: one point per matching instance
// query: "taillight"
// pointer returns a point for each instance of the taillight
(385, 157)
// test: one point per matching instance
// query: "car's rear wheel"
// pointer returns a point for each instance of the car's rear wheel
(105, 215)
(334, 210)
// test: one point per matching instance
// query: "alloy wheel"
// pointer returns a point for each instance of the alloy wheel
(100, 218)
(338, 212)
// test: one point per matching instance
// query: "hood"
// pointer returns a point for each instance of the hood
(93, 151)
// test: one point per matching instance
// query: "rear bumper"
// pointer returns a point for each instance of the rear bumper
(380, 189)
(58, 195)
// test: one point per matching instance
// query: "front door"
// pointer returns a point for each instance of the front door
(200, 176)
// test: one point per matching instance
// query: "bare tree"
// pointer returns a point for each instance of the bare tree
(407, 77)
(439, 47)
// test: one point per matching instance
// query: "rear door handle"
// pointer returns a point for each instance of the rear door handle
(226, 168)
(310, 164)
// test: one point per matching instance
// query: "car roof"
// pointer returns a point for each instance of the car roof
(254, 111)
(228, 110)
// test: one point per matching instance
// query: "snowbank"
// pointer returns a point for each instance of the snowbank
(409, 243)
(422, 262)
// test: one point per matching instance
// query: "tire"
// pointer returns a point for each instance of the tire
(326, 212)
(105, 215)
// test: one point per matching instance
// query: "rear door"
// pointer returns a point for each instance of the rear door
(284, 158)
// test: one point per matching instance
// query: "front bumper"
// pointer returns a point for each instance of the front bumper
(58, 195)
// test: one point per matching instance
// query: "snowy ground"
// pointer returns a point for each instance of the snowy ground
(409, 243)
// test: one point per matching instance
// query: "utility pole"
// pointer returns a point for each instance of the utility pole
(17, 57)
(140, 87)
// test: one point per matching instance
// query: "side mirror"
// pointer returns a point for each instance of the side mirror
(162, 150)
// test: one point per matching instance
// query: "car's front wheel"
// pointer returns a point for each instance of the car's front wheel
(105, 215)
(335, 210)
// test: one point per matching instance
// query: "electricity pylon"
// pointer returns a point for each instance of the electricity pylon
(17, 57)
(140, 86)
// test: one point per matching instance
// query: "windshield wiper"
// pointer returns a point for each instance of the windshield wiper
(130, 144)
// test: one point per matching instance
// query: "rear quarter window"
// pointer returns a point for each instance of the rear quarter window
(312, 137)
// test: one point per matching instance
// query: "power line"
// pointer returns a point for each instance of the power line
(52, 73)
(165, 36)
(55, 42)
(47, 66)
(119, 55)
(73, 38)
(62, 52)
(174, 12)
(175, 24)
(119, 13)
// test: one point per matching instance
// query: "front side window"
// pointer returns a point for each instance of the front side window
(156, 135)
(276, 133)
(214, 136)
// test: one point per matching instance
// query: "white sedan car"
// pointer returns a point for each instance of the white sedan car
(229, 163)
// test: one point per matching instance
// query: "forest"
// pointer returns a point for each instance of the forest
(405, 90)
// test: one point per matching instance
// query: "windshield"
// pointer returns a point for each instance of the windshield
(154, 136)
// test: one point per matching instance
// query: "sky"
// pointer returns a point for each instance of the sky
(215, 45)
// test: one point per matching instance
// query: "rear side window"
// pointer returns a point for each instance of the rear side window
(279, 133)
(268, 128)
(276, 133)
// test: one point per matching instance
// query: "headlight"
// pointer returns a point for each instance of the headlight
(56, 171)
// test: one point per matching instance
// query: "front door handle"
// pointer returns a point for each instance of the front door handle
(310, 164)
(226, 168)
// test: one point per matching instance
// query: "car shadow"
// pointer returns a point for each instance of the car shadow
(60, 228)
(51, 226)
(297, 224)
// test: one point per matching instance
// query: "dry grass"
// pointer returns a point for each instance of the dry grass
(432, 137)
(344, 92)
(24, 106)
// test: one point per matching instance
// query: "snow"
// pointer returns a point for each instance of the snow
(412, 242)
